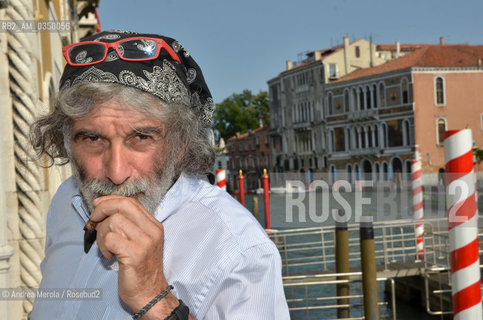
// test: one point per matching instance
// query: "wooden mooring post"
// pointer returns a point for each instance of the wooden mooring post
(369, 272)
(342, 266)
(255, 206)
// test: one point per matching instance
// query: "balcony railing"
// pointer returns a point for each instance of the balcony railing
(361, 115)
(364, 151)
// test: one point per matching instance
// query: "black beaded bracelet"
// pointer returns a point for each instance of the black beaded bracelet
(151, 303)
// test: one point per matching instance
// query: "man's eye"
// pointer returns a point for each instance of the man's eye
(91, 138)
(142, 137)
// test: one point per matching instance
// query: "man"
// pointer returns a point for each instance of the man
(132, 118)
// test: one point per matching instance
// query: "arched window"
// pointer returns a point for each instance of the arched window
(348, 137)
(440, 129)
(374, 96)
(354, 100)
(346, 100)
(329, 103)
(407, 133)
(376, 135)
(405, 91)
(439, 83)
(363, 138)
(361, 99)
(368, 98)
(357, 135)
(369, 136)
(332, 141)
(382, 95)
(384, 136)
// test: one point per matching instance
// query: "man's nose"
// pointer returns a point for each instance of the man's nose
(116, 165)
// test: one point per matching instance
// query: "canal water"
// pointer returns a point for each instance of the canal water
(322, 209)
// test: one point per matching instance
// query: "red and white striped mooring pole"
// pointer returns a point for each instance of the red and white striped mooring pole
(418, 210)
(266, 198)
(241, 187)
(462, 225)
(221, 178)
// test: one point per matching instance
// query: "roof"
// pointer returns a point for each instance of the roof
(246, 134)
(402, 46)
(324, 53)
(427, 56)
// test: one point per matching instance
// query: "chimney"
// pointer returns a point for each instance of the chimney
(398, 49)
(289, 64)
(441, 40)
(346, 54)
(318, 55)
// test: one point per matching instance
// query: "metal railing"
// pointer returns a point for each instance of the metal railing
(309, 297)
(312, 250)
(437, 271)
(308, 252)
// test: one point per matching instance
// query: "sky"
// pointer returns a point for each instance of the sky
(242, 44)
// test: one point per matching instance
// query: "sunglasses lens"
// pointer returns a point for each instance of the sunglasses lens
(138, 49)
(85, 53)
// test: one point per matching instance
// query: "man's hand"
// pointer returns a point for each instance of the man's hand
(127, 230)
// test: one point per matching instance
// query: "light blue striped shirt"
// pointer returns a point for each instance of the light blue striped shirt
(216, 255)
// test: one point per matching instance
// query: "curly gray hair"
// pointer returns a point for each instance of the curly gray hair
(185, 132)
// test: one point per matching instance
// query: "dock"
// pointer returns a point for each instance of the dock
(310, 279)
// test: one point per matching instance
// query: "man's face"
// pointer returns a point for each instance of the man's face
(116, 150)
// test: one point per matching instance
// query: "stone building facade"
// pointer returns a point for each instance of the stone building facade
(377, 118)
(297, 112)
(250, 152)
(31, 66)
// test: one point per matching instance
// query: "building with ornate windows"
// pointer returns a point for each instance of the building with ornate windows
(376, 118)
(297, 115)
(251, 153)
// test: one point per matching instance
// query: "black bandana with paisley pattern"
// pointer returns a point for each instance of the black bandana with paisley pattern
(172, 82)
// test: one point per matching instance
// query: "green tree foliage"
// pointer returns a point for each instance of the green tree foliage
(241, 112)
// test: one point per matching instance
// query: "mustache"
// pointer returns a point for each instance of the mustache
(126, 189)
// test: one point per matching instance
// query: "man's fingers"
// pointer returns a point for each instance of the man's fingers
(122, 225)
(129, 207)
(118, 227)
(113, 244)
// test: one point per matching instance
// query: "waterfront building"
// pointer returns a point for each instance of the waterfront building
(33, 33)
(250, 152)
(377, 118)
(297, 115)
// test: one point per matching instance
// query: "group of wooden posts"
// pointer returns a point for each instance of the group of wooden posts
(368, 265)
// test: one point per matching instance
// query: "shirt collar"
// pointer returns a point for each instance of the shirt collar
(182, 191)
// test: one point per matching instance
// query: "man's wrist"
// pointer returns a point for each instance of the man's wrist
(163, 309)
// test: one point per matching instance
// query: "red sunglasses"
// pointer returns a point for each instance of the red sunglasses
(87, 53)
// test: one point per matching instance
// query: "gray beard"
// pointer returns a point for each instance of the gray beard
(148, 191)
